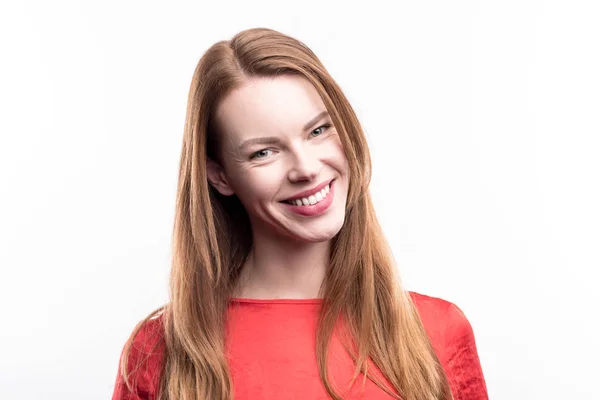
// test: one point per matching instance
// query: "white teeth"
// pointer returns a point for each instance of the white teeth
(310, 200)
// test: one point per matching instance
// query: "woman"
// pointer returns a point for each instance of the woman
(282, 284)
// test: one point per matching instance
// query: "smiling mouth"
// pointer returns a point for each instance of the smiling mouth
(313, 199)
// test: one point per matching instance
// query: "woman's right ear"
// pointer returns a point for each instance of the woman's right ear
(216, 177)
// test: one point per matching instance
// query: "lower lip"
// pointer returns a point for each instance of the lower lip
(315, 209)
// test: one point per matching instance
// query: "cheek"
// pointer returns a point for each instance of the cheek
(258, 184)
(336, 154)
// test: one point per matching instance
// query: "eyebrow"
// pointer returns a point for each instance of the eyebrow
(276, 140)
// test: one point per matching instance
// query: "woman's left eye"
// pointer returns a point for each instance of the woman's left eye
(320, 130)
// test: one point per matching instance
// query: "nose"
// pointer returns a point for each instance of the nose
(305, 164)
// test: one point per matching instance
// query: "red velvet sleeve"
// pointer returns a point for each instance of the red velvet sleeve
(144, 364)
(462, 363)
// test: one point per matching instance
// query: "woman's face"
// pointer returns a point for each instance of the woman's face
(280, 147)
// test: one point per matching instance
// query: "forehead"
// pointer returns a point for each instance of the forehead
(268, 107)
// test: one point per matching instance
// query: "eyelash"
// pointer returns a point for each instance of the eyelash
(254, 155)
(325, 126)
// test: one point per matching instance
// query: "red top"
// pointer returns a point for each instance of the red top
(271, 352)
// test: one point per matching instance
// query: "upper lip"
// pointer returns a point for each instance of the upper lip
(309, 192)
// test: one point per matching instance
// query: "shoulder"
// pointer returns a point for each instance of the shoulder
(144, 360)
(150, 336)
(453, 340)
(444, 322)
(439, 315)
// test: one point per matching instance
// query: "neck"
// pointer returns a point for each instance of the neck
(277, 269)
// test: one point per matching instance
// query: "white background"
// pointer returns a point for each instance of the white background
(483, 121)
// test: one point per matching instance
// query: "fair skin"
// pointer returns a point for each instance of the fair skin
(291, 243)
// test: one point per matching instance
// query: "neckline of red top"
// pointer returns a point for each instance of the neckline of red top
(276, 301)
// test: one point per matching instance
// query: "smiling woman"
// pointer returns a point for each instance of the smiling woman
(282, 284)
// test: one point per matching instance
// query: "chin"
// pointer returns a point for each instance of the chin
(318, 234)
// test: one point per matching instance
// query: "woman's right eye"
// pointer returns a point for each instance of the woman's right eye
(259, 154)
